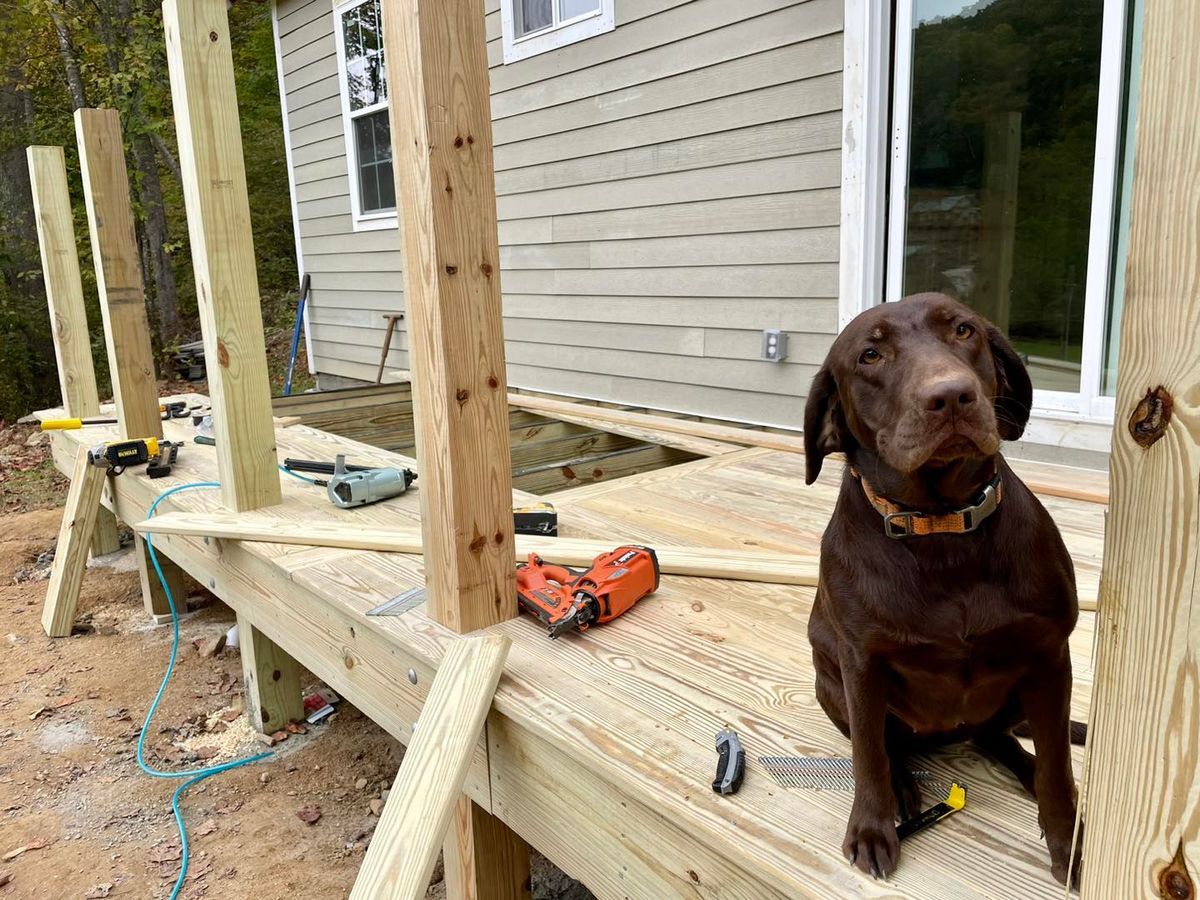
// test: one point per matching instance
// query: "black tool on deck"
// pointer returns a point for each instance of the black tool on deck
(731, 762)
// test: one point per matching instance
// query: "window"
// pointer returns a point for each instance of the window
(1003, 169)
(535, 26)
(363, 76)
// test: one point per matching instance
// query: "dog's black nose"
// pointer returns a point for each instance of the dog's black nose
(949, 394)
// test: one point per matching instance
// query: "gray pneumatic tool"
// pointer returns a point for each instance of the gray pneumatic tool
(347, 489)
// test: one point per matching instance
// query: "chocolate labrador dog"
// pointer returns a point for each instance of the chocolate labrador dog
(946, 595)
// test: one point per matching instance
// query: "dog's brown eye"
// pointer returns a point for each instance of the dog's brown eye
(964, 330)
(870, 355)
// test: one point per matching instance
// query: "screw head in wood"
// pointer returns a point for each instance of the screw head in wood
(412, 676)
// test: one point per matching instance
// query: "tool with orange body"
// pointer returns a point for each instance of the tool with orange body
(567, 599)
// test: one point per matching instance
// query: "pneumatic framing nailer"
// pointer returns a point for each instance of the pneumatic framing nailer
(568, 599)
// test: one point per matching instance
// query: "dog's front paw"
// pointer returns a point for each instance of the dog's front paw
(1061, 859)
(871, 842)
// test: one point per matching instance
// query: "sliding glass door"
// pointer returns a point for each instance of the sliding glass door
(1007, 118)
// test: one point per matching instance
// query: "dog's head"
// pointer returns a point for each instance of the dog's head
(921, 382)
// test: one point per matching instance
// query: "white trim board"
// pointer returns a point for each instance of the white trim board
(291, 174)
(571, 31)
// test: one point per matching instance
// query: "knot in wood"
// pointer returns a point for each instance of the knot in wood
(462, 396)
(486, 269)
(499, 538)
(213, 36)
(493, 382)
(1150, 417)
(451, 270)
(477, 545)
(222, 354)
(1174, 882)
(458, 142)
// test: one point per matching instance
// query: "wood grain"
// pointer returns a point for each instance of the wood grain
(64, 297)
(446, 194)
(425, 795)
(699, 562)
(218, 211)
(1142, 787)
(154, 598)
(485, 859)
(272, 680)
(74, 536)
(64, 285)
(118, 272)
(610, 733)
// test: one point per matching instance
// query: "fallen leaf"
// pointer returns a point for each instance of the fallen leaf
(64, 701)
(229, 715)
(208, 826)
(199, 871)
(294, 728)
(99, 890)
(278, 736)
(205, 752)
(32, 845)
(40, 670)
(309, 814)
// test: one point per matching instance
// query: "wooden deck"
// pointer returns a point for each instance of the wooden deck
(609, 735)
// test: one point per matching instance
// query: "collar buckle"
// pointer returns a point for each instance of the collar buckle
(899, 525)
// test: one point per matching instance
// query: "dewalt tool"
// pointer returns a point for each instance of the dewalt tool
(116, 456)
(567, 599)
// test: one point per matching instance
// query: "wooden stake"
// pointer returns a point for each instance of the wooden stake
(118, 272)
(70, 556)
(64, 296)
(273, 690)
(446, 194)
(426, 792)
(1143, 791)
(218, 212)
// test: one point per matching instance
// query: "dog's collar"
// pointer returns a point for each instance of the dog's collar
(901, 523)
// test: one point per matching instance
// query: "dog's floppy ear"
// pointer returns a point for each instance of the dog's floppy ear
(824, 426)
(1014, 392)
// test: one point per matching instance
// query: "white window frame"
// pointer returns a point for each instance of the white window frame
(552, 36)
(362, 221)
(871, 151)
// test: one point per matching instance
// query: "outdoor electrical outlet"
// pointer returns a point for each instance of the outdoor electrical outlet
(774, 345)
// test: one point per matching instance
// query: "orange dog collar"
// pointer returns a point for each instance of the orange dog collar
(901, 523)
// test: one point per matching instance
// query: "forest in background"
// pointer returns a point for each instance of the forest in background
(59, 55)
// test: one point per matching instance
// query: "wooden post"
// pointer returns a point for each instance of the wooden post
(64, 297)
(446, 194)
(1143, 785)
(274, 694)
(425, 795)
(484, 857)
(118, 272)
(154, 598)
(218, 212)
(70, 556)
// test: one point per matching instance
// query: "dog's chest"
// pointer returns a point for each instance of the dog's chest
(960, 670)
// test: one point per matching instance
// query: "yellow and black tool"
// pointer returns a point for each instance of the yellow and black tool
(176, 409)
(116, 456)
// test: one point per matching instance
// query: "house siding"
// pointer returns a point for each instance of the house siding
(665, 192)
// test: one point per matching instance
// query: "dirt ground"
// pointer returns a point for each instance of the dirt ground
(77, 816)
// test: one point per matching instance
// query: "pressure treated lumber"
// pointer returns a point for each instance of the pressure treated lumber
(71, 554)
(64, 297)
(735, 565)
(118, 272)
(690, 443)
(154, 597)
(272, 679)
(218, 211)
(655, 428)
(1143, 791)
(446, 195)
(425, 794)
(484, 858)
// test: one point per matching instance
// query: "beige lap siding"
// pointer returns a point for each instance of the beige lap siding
(666, 191)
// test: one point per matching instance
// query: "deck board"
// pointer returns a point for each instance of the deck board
(628, 712)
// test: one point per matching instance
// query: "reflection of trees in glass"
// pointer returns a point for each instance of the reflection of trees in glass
(1003, 100)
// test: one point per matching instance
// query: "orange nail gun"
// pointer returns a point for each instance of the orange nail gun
(567, 599)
